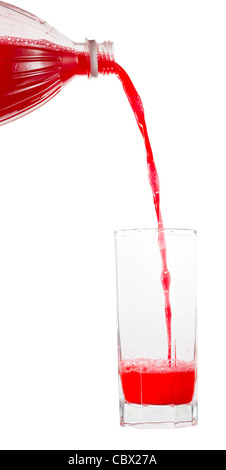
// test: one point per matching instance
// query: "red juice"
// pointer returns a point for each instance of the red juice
(156, 382)
(32, 72)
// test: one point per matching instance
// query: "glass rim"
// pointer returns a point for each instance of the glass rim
(147, 231)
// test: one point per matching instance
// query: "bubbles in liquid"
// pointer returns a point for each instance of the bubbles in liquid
(10, 41)
(155, 366)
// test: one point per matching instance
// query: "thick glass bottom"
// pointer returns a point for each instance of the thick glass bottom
(158, 416)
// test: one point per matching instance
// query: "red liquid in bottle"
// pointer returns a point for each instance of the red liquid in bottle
(32, 72)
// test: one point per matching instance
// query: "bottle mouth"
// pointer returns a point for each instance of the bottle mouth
(106, 57)
(102, 57)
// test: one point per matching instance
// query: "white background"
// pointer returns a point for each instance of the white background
(74, 171)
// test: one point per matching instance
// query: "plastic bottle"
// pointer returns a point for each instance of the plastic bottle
(36, 61)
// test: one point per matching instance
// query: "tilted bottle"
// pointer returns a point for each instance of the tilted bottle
(36, 61)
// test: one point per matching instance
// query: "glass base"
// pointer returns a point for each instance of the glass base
(158, 416)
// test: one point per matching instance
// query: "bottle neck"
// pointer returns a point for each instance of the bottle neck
(102, 57)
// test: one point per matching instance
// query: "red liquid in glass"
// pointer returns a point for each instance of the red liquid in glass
(156, 382)
(31, 73)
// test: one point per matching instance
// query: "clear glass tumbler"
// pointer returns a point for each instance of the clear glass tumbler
(155, 390)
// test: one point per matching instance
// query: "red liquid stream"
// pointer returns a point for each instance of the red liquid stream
(138, 109)
(31, 73)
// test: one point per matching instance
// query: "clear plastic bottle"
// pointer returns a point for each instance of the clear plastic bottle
(36, 61)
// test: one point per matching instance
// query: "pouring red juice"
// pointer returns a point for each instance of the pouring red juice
(31, 73)
(147, 381)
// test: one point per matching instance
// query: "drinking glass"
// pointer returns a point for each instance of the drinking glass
(155, 390)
